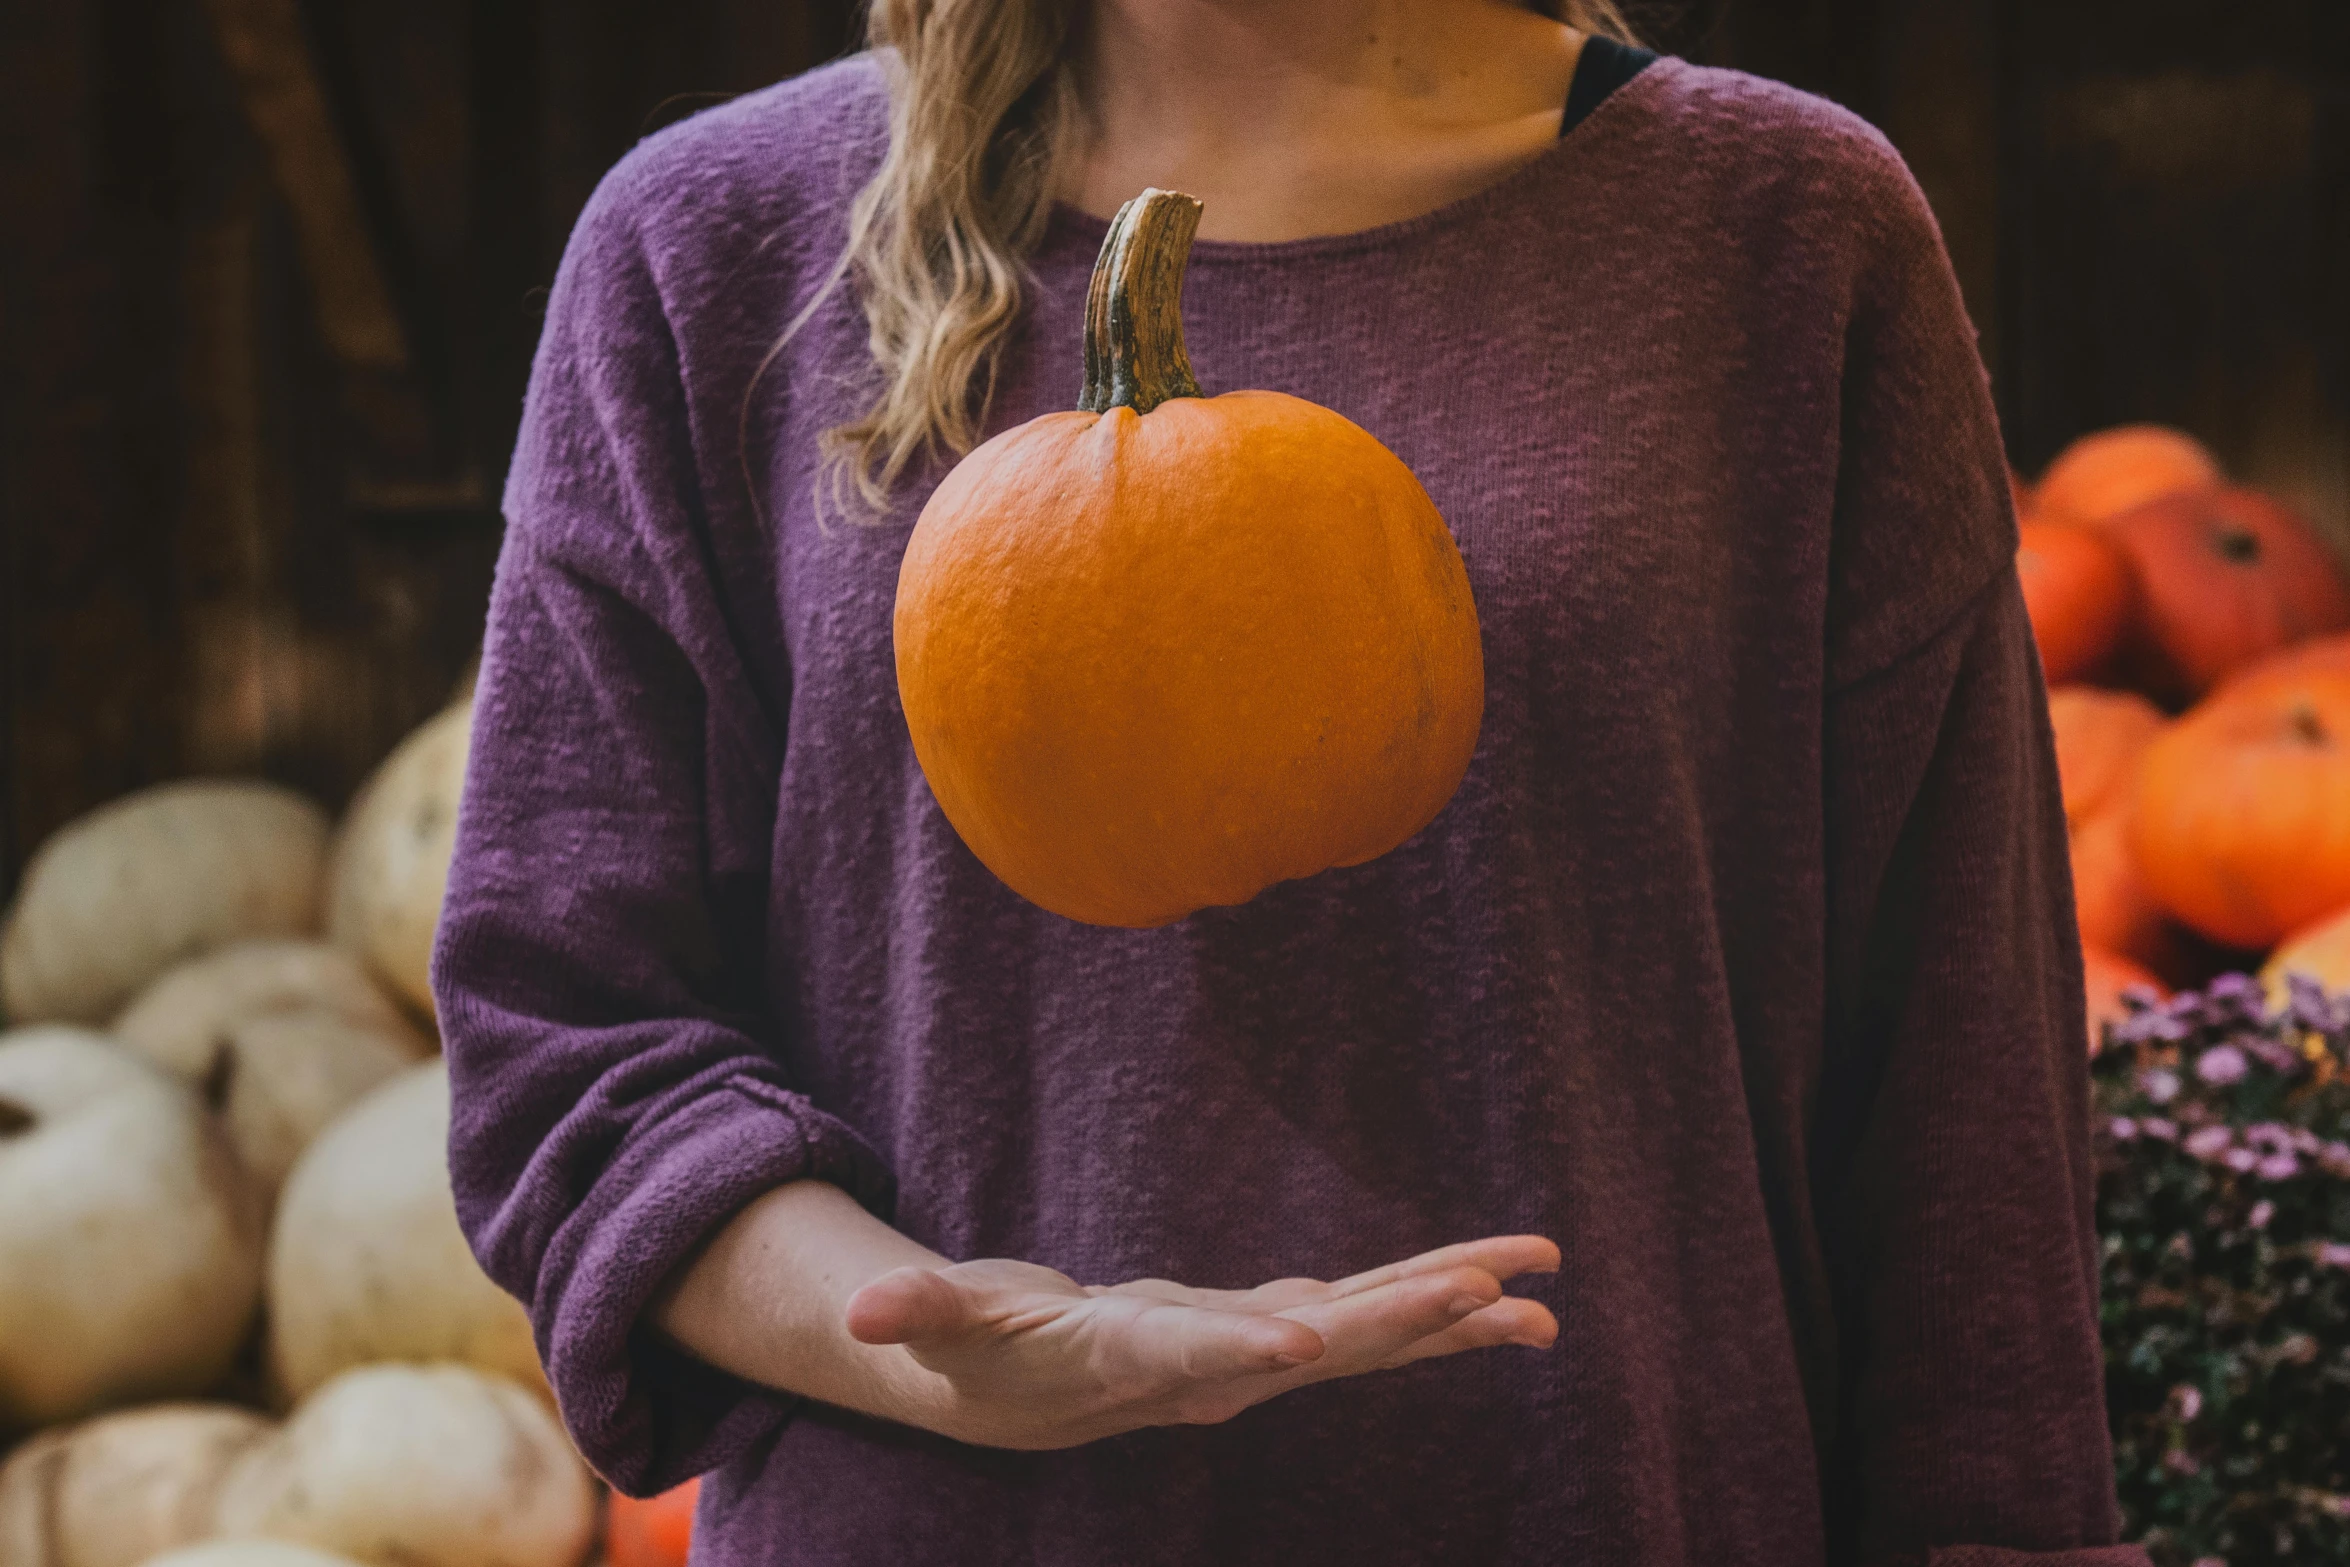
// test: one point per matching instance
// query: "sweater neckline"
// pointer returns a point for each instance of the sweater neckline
(1073, 225)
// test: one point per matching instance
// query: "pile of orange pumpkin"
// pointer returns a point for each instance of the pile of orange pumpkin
(2196, 639)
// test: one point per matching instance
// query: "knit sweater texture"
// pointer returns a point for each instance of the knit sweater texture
(1742, 964)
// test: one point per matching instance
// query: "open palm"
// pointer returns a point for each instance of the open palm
(1033, 1359)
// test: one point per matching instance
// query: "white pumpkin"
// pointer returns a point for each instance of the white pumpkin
(279, 1036)
(175, 1020)
(120, 1489)
(249, 1553)
(391, 857)
(367, 1263)
(114, 899)
(130, 1238)
(417, 1466)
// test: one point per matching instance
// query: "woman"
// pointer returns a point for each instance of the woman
(1728, 1016)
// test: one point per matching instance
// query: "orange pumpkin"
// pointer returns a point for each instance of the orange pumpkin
(2330, 652)
(2228, 576)
(651, 1533)
(2100, 735)
(2079, 593)
(2116, 910)
(2103, 475)
(2241, 821)
(2105, 976)
(1163, 652)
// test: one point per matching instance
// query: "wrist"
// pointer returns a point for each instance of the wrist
(899, 1388)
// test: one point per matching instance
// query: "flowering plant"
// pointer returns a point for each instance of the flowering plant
(2223, 1210)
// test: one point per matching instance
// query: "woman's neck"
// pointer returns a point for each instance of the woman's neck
(1290, 118)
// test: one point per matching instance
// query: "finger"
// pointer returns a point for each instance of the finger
(1264, 1298)
(1365, 1329)
(1174, 1345)
(1157, 1289)
(1509, 1320)
(906, 1306)
(1503, 1256)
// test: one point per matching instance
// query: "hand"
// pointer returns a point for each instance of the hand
(1024, 1357)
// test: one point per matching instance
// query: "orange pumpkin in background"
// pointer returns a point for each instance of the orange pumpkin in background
(2105, 977)
(2226, 577)
(2330, 652)
(656, 1532)
(2118, 913)
(2241, 818)
(2079, 592)
(2103, 475)
(2100, 735)
(1165, 651)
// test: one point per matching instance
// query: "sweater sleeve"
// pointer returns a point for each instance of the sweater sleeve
(1951, 1161)
(617, 1092)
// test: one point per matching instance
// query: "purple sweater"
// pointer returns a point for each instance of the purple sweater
(1742, 964)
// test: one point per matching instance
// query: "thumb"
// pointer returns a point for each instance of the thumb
(907, 1305)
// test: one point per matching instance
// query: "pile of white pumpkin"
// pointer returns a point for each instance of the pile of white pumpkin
(239, 1326)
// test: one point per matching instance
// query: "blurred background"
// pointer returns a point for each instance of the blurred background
(273, 274)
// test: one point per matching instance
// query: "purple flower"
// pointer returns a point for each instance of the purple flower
(2307, 1006)
(2160, 1085)
(2209, 1142)
(2152, 1025)
(2122, 1128)
(2262, 1212)
(2276, 1055)
(2304, 1141)
(2279, 1167)
(2240, 1160)
(2221, 1065)
(2334, 1159)
(2232, 1001)
(2333, 1254)
(2163, 1131)
(2269, 1136)
(2186, 1401)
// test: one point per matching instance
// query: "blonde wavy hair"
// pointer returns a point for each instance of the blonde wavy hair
(982, 102)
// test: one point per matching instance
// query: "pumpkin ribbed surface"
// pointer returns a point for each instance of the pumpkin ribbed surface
(2117, 911)
(2102, 475)
(2079, 592)
(2238, 826)
(2228, 577)
(1154, 663)
(2100, 735)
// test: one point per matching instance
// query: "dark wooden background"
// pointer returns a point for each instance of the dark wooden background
(271, 273)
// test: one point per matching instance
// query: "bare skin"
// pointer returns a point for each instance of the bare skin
(808, 1292)
(1291, 118)
(1287, 118)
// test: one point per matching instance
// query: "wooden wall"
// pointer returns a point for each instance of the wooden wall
(269, 292)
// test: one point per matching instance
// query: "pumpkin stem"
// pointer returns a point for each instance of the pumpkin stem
(15, 1118)
(2240, 546)
(1134, 356)
(2307, 726)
